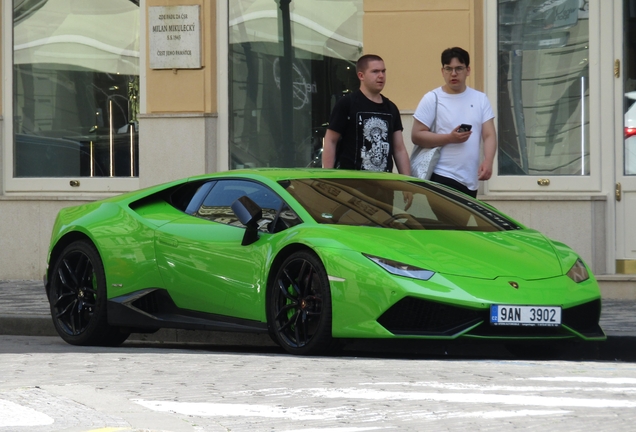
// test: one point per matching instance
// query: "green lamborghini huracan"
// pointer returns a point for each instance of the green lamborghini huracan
(313, 257)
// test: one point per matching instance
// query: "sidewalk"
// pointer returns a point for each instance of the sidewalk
(24, 311)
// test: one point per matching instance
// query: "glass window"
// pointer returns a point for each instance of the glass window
(75, 88)
(543, 88)
(381, 203)
(289, 61)
(217, 205)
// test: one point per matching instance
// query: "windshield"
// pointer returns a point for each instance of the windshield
(383, 203)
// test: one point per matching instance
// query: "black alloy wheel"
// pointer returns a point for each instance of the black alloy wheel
(299, 305)
(78, 298)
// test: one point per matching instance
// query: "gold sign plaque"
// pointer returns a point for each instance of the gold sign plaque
(174, 33)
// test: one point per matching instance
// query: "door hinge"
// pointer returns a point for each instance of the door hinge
(617, 68)
(619, 192)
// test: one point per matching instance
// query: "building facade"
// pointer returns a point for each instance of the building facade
(102, 97)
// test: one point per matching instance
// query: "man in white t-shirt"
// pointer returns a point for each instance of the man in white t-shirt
(457, 104)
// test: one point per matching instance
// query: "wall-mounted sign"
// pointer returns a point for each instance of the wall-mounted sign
(175, 37)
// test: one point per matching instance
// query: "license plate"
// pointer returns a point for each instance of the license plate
(514, 315)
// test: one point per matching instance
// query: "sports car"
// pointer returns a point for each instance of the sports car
(313, 257)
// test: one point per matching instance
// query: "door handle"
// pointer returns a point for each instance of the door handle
(617, 68)
(168, 241)
(619, 192)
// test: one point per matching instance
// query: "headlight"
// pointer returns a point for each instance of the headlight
(578, 272)
(401, 269)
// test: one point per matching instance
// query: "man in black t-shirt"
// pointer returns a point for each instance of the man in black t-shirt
(365, 129)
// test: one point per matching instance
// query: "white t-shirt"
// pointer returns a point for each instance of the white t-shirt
(457, 161)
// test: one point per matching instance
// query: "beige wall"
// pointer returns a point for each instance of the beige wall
(25, 229)
(186, 90)
(176, 146)
(410, 36)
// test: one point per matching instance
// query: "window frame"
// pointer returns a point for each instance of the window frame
(50, 185)
(591, 183)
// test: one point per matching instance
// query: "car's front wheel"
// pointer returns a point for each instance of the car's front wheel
(78, 297)
(299, 305)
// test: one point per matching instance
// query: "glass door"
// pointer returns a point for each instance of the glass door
(547, 96)
(625, 189)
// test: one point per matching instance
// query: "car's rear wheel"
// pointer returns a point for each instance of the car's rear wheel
(299, 305)
(78, 297)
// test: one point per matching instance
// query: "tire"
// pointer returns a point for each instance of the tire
(299, 306)
(78, 298)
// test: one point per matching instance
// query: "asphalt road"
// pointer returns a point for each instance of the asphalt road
(47, 385)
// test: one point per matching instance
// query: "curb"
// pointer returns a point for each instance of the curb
(14, 325)
(617, 347)
(42, 325)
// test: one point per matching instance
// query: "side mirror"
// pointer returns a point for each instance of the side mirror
(248, 213)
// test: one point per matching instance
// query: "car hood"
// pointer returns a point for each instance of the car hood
(521, 253)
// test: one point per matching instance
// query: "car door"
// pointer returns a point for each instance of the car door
(201, 259)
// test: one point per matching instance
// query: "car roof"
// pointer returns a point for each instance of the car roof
(278, 174)
(266, 175)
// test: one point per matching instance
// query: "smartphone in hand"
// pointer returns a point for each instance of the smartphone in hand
(464, 127)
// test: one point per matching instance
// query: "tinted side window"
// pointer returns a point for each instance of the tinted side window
(217, 204)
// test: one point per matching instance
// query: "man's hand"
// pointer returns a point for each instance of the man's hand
(459, 137)
(485, 170)
(408, 199)
(329, 148)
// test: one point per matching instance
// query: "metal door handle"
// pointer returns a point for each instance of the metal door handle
(617, 68)
(619, 192)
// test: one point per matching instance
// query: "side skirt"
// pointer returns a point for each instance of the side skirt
(149, 310)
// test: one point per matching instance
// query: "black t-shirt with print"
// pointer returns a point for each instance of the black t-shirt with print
(367, 131)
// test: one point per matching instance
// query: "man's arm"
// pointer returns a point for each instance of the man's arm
(403, 163)
(489, 136)
(400, 154)
(329, 148)
(422, 136)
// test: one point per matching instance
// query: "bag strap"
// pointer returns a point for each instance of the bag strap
(434, 124)
(416, 148)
